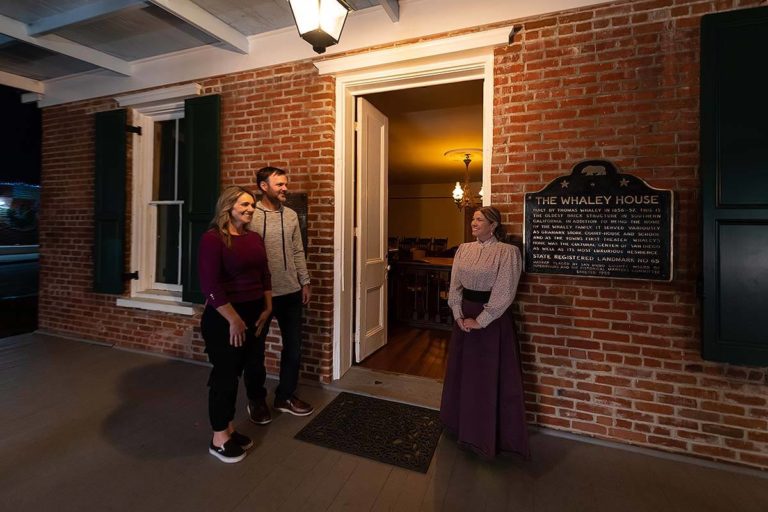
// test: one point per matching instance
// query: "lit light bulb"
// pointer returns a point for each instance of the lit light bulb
(458, 193)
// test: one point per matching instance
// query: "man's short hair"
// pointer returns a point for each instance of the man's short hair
(264, 173)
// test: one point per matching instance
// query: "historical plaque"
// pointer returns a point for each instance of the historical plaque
(601, 223)
(297, 201)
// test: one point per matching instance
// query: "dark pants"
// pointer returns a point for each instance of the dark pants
(288, 310)
(229, 362)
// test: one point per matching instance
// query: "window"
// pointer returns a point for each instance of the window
(157, 204)
(168, 151)
(174, 187)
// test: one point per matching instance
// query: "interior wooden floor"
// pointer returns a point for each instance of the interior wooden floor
(412, 351)
(89, 428)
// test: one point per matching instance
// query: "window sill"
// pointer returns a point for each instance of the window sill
(157, 304)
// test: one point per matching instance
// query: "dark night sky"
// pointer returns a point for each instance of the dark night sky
(20, 137)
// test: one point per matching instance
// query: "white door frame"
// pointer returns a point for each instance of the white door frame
(456, 59)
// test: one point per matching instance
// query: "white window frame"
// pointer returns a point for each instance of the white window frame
(147, 109)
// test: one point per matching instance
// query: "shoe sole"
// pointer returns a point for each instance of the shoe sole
(222, 458)
(290, 411)
(248, 407)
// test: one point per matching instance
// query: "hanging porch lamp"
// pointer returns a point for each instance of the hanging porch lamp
(319, 21)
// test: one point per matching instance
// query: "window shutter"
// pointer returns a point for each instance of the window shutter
(734, 173)
(199, 184)
(109, 202)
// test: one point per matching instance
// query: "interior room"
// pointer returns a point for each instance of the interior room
(432, 130)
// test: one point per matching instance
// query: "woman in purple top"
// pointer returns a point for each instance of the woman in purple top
(483, 402)
(235, 280)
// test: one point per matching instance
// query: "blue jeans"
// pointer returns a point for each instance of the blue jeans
(288, 310)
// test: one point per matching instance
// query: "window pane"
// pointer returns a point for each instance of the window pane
(164, 182)
(167, 244)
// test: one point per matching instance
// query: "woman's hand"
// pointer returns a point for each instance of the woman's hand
(236, 331)
(468, 324)
(262, 321)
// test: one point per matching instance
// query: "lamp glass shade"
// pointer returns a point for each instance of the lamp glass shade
(319, 22)
(307, 15)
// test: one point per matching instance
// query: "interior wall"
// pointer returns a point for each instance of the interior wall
(427, 211)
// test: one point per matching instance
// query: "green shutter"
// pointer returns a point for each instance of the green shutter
(734, 173)
(109, 202)
(199, 184)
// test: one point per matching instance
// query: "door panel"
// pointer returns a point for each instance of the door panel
(371, 289)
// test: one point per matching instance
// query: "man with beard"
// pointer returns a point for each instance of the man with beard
(278, 226)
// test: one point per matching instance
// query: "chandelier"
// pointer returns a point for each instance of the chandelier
(462, 193)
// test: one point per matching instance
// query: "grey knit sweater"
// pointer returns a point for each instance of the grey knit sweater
(285, 252)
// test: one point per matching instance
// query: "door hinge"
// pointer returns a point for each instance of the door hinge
(133, 129)
(357, 126)
(127, 276)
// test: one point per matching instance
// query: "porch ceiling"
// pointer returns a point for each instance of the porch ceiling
(46, 39)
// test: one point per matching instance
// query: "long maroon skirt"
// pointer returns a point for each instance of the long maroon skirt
(483, 403)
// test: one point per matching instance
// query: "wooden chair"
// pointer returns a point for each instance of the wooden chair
(438, 246)
(407, 243)
(423, 243)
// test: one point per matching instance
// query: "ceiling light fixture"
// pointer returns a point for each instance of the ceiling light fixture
(462, 194)
(319, 21)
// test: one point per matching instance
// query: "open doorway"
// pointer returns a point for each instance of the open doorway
(460, 59)
(424, 226)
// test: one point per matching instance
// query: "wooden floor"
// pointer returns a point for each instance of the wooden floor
(90, 428)
(412, 351)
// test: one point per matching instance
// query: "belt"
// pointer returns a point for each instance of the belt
(476, 296)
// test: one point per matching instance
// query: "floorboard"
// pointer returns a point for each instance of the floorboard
(412, 351)
(88, 427)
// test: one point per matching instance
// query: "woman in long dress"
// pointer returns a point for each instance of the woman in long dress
(483, 402)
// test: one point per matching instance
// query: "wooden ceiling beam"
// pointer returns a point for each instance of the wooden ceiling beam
(392, 8)
(21, 82)
(56, 44)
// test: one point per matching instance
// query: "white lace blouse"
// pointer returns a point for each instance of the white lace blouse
(483, 266)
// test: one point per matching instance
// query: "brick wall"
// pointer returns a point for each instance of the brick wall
(611, 358)
(283, 116)
(616, 359)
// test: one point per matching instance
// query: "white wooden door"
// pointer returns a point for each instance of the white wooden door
(371, 290)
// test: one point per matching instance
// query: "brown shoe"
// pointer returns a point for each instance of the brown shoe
(294, 406)
(259, 413)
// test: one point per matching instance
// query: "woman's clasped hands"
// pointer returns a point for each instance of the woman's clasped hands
(468, 324)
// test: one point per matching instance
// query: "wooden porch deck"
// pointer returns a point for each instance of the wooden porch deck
(85, 427)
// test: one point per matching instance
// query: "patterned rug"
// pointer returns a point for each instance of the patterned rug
(390, 432)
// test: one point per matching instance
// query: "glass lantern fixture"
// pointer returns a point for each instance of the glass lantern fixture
(319, 22)
(462, 193)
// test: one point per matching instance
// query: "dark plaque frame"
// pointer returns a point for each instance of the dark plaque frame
(298, 202)
(598, 222)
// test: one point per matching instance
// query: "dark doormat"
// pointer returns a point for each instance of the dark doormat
(390, 432)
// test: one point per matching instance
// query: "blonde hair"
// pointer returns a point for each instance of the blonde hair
(494, 215)
(222, 219)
